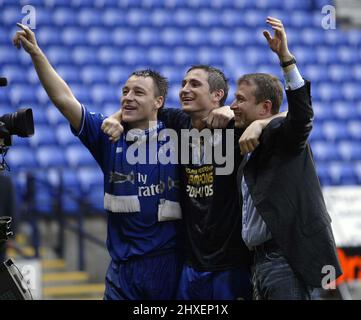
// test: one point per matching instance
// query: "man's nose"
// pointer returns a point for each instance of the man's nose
(234, 105)
(128, 96)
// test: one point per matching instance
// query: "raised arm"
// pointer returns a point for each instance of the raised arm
(56, 88)
(298, 124)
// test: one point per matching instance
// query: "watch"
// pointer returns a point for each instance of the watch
(288, 63)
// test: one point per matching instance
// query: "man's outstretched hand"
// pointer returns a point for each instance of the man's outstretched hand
(25, 38)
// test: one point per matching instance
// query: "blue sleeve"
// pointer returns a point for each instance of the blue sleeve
(91, 135)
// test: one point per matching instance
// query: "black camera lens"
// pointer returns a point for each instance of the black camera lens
(19, 123)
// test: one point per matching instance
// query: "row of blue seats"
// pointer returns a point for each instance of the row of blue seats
(327, 131)
(87, 184)
(76, 155)
(117, 75)
(135, 56)
(178, 36)
(294, 4)
(99, 94)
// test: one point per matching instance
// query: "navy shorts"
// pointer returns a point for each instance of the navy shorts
(153, 277)
(231, 284)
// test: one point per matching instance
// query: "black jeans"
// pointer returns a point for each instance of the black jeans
(274, 279)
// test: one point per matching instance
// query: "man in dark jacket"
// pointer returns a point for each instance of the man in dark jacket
(284, 217)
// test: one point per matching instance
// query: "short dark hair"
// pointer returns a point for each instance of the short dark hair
(268, 87)
(160, 82)
(216, 80)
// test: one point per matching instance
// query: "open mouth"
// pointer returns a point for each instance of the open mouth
(129, 108)
(187, 99)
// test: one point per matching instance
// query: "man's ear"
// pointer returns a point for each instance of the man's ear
(218, 95)
(159, 102)
(266, 109)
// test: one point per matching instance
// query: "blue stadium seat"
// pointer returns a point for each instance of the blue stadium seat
(230, 18)
(220, 37)
(340, 73)
(330, 91)
(84, 56)
(53, 115)
(118, 75)
(94, 74)
(48, 36)
(349, 150)
(256, 56)
(325, 151)
(185, 56)
(99, 36)
(348, 55)
(82, 93)
(342, 174)
(323, 174)
(210, 56)
(21, 157)
(300, 19)
(316, 73)
(296, 4)
(335, 37)
(208, 18)
(311, 36)
(138, 17)
(89, 178)
(343, 110)
(96, 198)
(22, 94)
(353, 37)
(105, 93)
(322, 109)
(43, 135)
(82, 3)
(305, 54)
(325, 55)
(162, 18)
(14, 74)
(39, 115)
(44, 16)
(357, 168)
(254, 18)
(316, 133)
(50, 156)
(9, 55)
(64, 135)
(89, 17)
(135, 56)
(197, 37)
(70, 74)
(334, 130)
(65, 17)
(149, 37)
(173, 74)
(74, 36)
(185, 18)
(160, 56)
(354, 129)
(11, 15)
(60, 55)
(112, 56)
(5, 37)
(172, 37)
(351, 91)
(79, 156)
(356, 72)
(114, 17)
(124, 36)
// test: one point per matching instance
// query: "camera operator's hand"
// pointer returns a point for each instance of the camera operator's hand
(25, 38)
